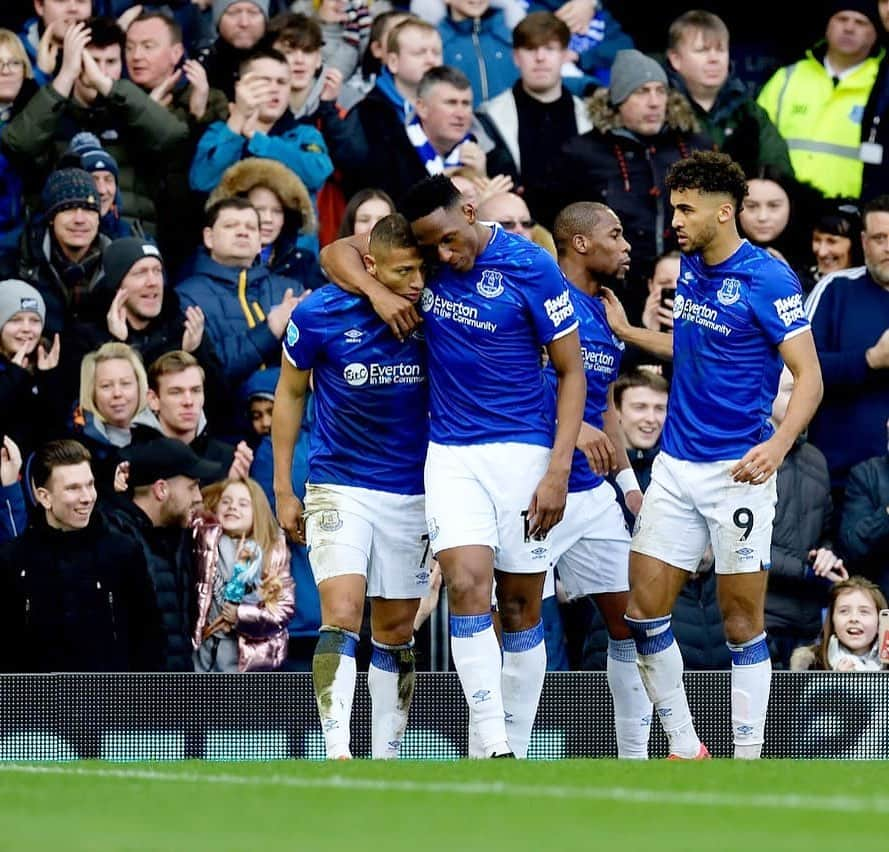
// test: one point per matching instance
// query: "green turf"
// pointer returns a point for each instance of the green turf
(717, 806)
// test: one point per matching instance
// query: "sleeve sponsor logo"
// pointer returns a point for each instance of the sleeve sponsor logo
(790, 309)
(292, 333)
(559, 309)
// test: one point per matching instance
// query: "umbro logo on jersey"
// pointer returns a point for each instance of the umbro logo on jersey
(491, 284)
(353, 335)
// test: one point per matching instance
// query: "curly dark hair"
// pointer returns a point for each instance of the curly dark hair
(427, 196)
(709, 171)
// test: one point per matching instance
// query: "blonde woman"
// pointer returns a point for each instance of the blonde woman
(245, 592)
(113, 390)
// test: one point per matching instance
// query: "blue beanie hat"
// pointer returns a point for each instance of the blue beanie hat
(93, 157)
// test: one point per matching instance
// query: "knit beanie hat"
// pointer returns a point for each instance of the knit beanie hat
(630, 70)
(68, 188)
(868, 8)
(220, 6)
(92, 156)
(18, 296)
(122, 255)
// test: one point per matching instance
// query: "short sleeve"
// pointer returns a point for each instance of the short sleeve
(304, 336)
(777, 302)
(549, 300)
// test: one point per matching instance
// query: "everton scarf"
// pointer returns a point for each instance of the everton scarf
(433, 161)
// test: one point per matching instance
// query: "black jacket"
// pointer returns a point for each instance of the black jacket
(802, 520)
(78, 601)
(864, 529)
(167, 552)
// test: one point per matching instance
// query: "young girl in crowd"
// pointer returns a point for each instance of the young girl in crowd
(244, 590)
(850, 636)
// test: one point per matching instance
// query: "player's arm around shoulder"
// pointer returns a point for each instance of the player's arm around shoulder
(343, 263)
(658, 343)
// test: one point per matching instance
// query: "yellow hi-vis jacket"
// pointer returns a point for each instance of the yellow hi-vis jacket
(820, 121)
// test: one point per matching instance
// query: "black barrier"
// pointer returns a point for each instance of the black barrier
(272, 716)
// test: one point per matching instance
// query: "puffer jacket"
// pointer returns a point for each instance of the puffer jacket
(261, 628)
(802, 522)
(236, 302)
(626, 171)
(138, 132)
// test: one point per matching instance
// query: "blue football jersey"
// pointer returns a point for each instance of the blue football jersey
(729, 320)
(602, 353)
(370, 392)
(484, 330)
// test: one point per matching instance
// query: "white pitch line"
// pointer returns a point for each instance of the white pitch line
(837, 804)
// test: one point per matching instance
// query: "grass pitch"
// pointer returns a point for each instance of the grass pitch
(417, 806)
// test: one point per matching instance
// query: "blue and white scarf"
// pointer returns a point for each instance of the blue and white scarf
(433, 161)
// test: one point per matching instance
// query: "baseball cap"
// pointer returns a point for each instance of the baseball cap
(164, 458)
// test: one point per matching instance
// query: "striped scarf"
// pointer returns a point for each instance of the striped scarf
(433, 161)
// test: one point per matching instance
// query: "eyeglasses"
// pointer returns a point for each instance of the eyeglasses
(13, 65)
(513, 224)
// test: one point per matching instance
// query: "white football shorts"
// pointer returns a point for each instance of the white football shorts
(590, 546)
(479, 494)
(689, 504)
(378, 535)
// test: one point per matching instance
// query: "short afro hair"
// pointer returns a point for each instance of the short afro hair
(428, 195)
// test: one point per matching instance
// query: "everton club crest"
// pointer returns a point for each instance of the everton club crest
(730, 291)
(491, 284)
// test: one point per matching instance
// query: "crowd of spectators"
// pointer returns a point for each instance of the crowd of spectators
(168, 175)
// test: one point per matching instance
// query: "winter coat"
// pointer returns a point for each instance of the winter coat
(482, 49)
(864, 529)
(298, 145)
(739, 126)
(78, 601)
(13, 512)
(181, 210)
(502, 113)
(849, 311)
(285, 257)
(697, 625)
(235, 303)
(261, 628)
(222, 62)
(162, 334)
(135, 130)
(625, 171)
(802, 522)
(821, 120)
(167, 552)
(71, 293)
(32, 405)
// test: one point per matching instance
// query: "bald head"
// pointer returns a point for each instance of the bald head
(589, 236)
(510, 211)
